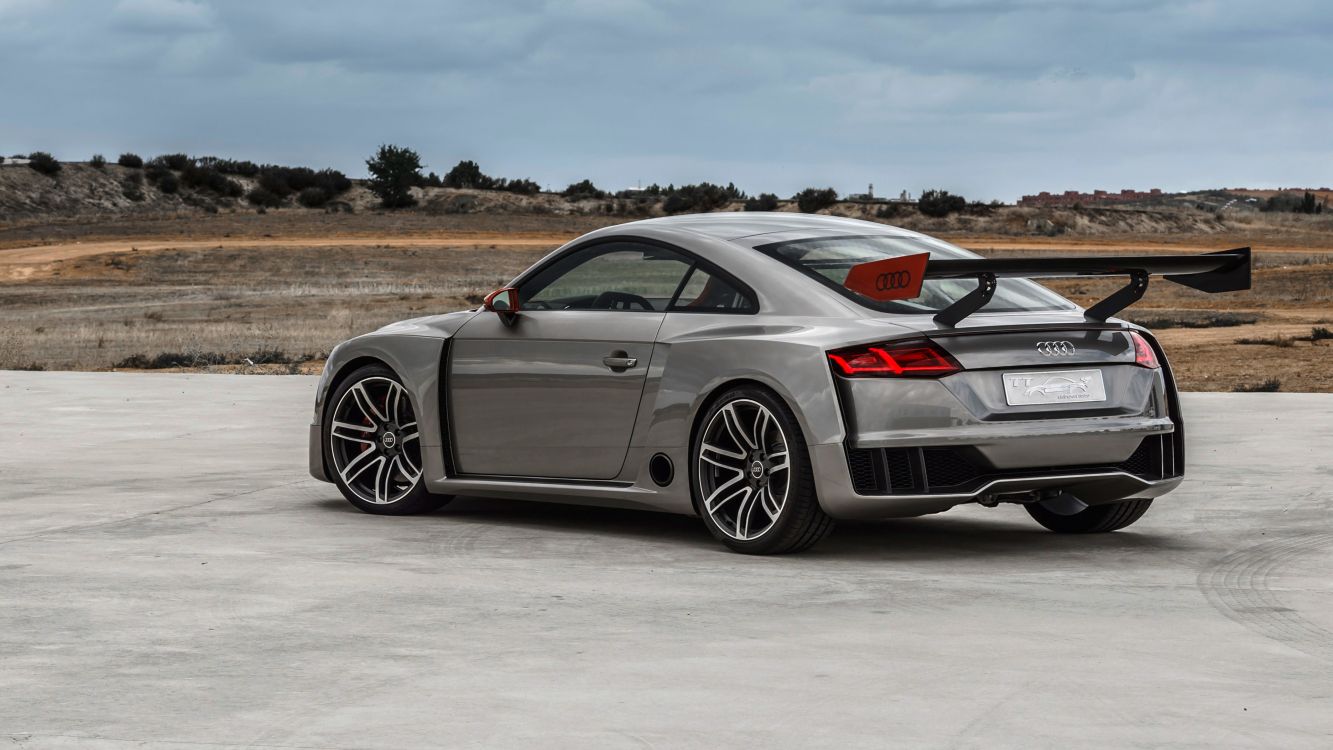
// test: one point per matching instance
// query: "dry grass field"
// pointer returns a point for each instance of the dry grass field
(273, 293)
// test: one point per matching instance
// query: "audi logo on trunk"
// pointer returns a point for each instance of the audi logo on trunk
(893, 280)
(1055, 348)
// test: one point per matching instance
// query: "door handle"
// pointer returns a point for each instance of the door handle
(619, 362)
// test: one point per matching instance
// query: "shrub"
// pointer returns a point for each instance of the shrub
(2, 160)
(1270, 385)
(313, 197)
(263, 198)
(813, 200)
(764, 202)
(208, 178)
(44, 163)
(1320, 334)
(169, 184)
(176, 162)
(132, 161)
(1270, 341)
(394, 170)
(155, 170)
(97, 162)
(939, 203)
(231, 166)
(132, 188)
(1195, 320)
(583, 190)
(702, 198)
(520, 186)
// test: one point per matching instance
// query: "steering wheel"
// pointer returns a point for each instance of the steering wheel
(620, 301)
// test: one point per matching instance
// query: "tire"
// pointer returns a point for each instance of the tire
(370, 447)
(727, 459)
(1093, 519)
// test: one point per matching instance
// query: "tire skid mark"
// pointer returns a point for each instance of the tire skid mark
(1239, 585)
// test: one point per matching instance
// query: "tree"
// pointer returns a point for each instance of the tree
(939, 203)
(467, 174)
(394, 171)
(813, 200)
(765, 202)
(97, 162)
(132, 161)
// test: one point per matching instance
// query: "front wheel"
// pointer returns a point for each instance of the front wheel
(752, 480)
(372, 444)
(1068, 515)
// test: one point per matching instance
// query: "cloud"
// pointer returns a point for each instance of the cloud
(162, 16)
(991, 98)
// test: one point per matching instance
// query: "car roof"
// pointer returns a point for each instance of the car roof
(734, 225)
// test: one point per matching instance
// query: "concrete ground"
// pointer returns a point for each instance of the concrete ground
(170, 577)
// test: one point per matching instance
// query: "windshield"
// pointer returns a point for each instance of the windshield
(828, 259)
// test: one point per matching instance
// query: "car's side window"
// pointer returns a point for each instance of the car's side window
(705, 292)
(611, 276)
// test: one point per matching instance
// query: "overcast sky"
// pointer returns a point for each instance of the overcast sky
(990, 98)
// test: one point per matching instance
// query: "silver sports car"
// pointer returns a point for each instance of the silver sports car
(771, 373)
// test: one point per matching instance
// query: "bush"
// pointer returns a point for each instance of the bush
(230, 166)
(520, 186)
(176, 162)
(1320, 334)
(131, 161)
(207, 178)
(700, 198)
(132, 187)
(2, 160)
(583, 190)
(155, 170)
(44, 163)
(813, 200)
(169, 184)
(97, 162)
(765, 202)
(939, 203)
(313, 197)
(263, 198)
(394, 170)
(1267, 341)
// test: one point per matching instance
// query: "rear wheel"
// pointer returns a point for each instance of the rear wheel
(752, 479)
(1068, 515)
(372, 444)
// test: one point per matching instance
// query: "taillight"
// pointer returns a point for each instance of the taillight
(918, 358)
(1144, 356)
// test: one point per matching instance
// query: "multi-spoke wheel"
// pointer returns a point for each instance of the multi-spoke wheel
(373, 444)
(752, 479)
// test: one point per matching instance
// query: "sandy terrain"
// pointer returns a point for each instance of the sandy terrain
(279, 290)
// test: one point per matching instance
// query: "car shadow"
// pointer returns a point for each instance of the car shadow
(1004, 532)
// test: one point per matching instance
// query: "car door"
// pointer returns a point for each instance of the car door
(555, 394)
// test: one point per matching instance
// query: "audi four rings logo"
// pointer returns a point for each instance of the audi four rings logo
(1055, 348)
(893, 280)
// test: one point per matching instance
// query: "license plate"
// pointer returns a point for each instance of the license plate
(1064, 387)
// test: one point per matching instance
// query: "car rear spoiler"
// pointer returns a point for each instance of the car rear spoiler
(892, 278)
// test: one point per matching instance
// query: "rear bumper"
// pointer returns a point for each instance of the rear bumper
(840, 498)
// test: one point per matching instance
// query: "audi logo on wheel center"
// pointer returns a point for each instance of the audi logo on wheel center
(1055, 348)
(893, 280)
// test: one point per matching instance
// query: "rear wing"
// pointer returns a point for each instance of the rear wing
(900, 278)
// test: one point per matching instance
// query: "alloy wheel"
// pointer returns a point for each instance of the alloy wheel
(375, 442)
(743, 469)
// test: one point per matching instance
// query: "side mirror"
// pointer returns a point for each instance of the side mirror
(503, 302)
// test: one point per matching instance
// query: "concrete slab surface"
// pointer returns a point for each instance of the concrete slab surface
(170, 577)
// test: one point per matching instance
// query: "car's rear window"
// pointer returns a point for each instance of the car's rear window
(828, 259)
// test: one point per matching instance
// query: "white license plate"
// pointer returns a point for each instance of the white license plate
(1064, 387)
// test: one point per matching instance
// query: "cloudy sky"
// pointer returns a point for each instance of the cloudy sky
(990, 98)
